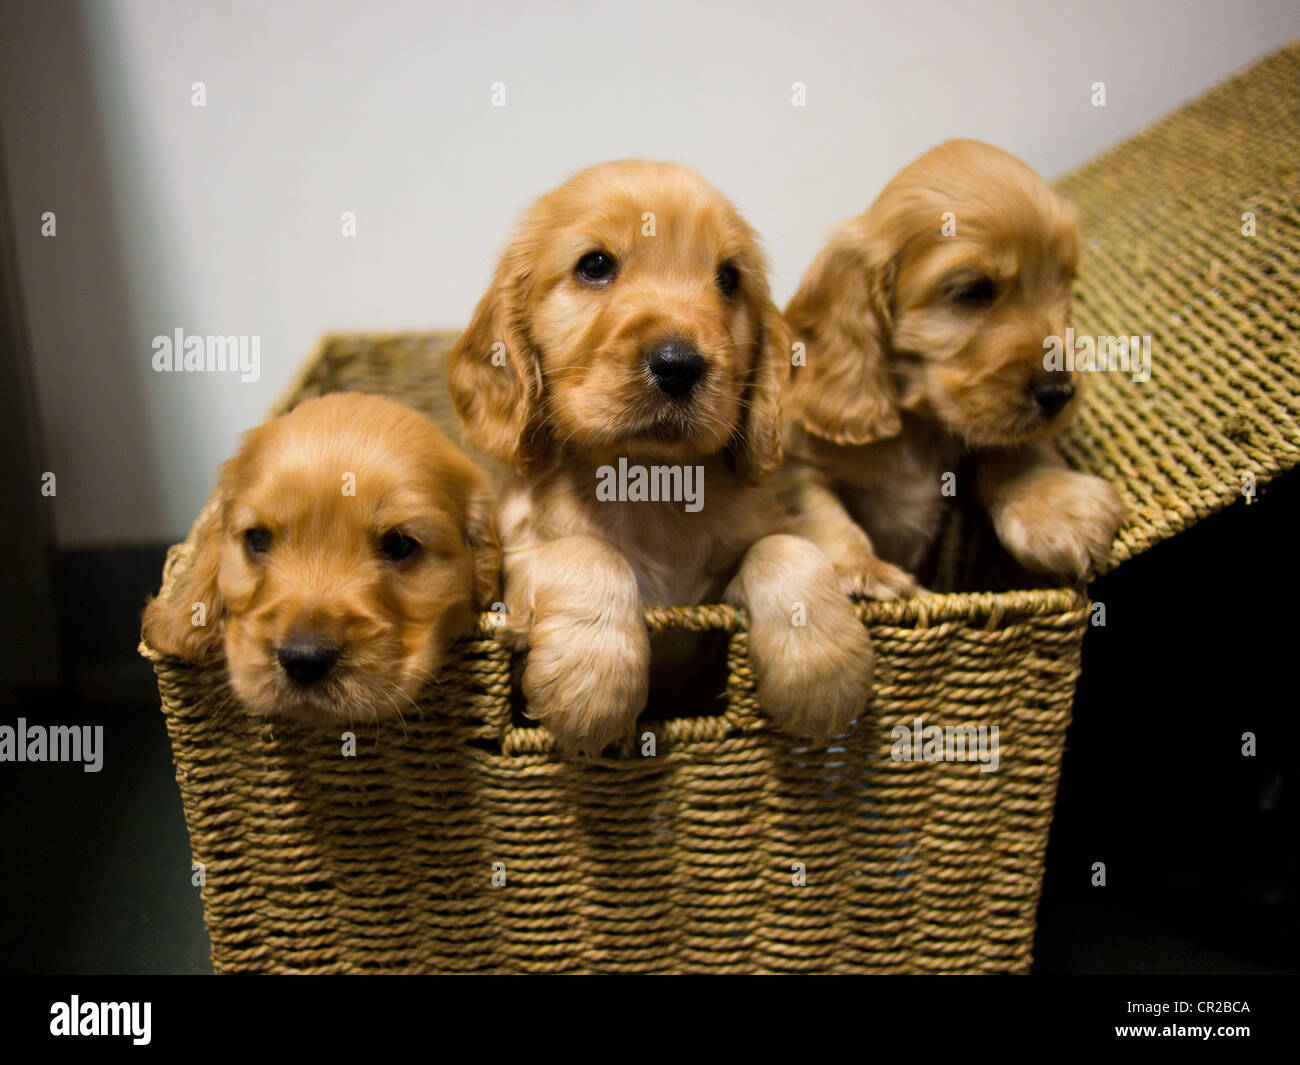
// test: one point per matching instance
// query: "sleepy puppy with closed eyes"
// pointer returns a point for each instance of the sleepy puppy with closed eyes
(348, 543)
(925, 349)
(630, 318)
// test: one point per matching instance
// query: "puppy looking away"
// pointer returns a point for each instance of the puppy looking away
(926, 346)
(349, 543)
(630, 321)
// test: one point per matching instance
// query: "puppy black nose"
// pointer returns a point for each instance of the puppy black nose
(306, 661)
(1052, 396)
(676, 366)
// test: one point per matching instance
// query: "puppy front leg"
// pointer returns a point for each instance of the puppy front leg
(812, 656)
(576, 604)
(820, 517)
(1051, 518)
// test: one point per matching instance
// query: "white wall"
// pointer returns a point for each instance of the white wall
(225, 220)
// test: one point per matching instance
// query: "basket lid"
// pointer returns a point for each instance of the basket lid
(1191, 234)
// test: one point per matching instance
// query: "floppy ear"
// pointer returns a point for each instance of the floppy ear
(187, 619)
(492, 369)
(757, 449)
(485, 549)
(843, 391)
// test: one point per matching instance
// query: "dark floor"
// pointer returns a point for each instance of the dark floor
(97, 869)
(1200, 844)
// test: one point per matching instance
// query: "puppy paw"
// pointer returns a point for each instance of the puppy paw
(1064, 525)
(812, 657)
(874, 578)
(815, 681)
(586, 682)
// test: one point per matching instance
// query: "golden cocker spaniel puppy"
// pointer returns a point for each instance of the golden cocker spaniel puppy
(925, 321)
(349, 542)
(627, 363)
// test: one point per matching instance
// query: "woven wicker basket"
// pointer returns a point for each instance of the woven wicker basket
(732, 849)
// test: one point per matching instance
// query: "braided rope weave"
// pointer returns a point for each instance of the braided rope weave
(687, 860)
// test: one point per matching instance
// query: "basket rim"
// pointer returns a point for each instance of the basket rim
(920, 612)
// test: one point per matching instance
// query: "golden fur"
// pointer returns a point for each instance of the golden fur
(924, 349)
(569, 390)
(321, 580)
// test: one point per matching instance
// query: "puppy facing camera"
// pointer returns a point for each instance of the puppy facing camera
(348, 543)
(628, 347)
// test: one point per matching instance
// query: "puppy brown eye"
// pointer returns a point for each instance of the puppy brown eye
(595, 267)
(978, 293)
(257, 541)
(728, 280)
(397, 548)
